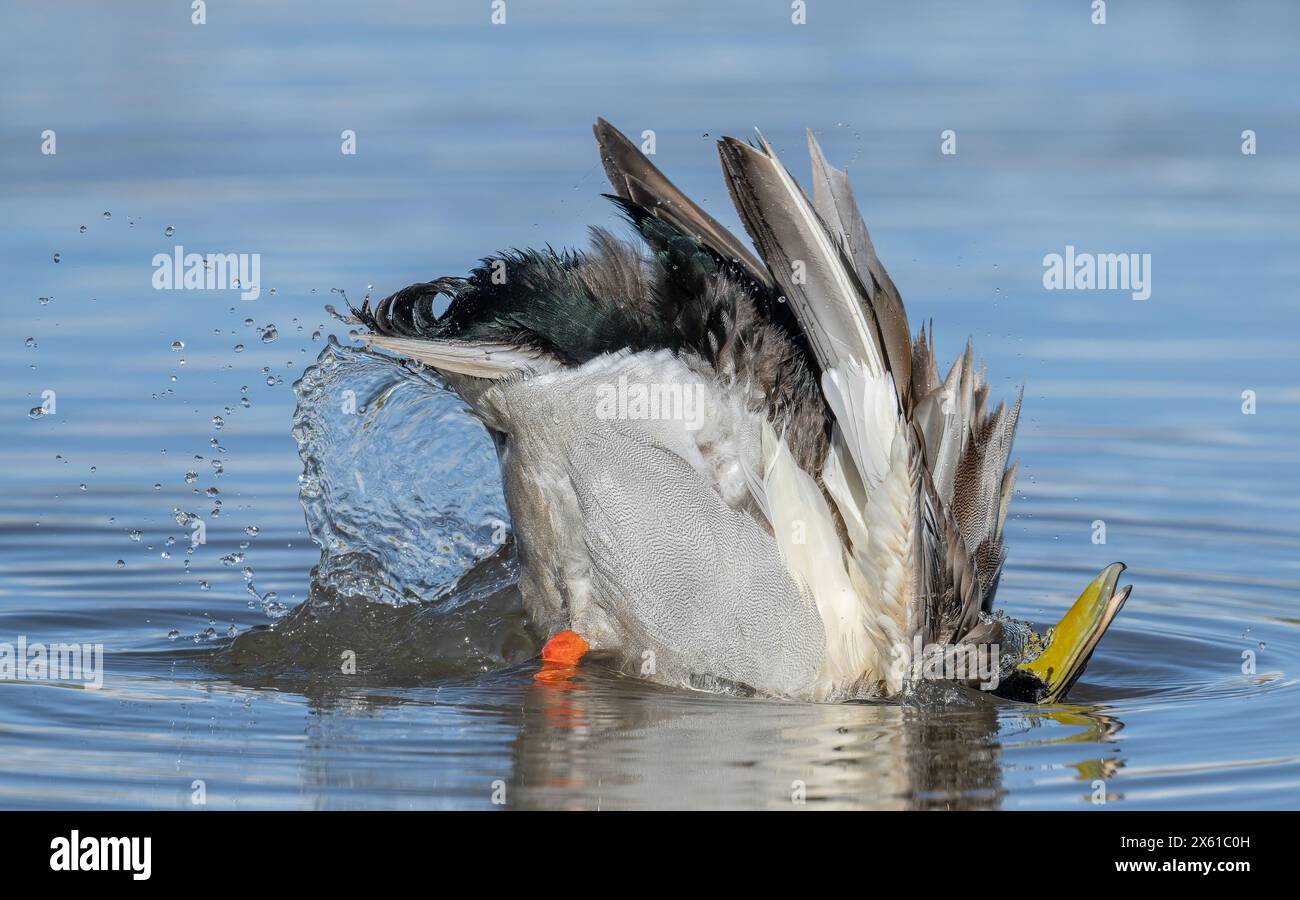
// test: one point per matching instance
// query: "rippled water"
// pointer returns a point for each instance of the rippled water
(222, 659)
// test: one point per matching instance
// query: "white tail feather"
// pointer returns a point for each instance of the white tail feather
(481, 360)
(865, 407)
(810, 546)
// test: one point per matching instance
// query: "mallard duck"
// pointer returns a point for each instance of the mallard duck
(740, 471)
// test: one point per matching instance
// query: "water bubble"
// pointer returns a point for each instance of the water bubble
(178, 346)
(191, 477)
(45, 301)
(204, 586)
(218, 422)
(82, 229)
(239, 348)
(57, 257)
(107, 214)
(30, 342)
(252, 530)
(269, 334)
(121, 564)
(36, 412)
(173, 634)
(135, 535)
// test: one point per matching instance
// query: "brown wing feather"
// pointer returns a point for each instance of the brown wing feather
(635, 178)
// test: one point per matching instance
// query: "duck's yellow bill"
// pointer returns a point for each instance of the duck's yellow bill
(1076, 635)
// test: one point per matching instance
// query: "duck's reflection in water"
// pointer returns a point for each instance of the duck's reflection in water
(589, 738)
(607, 742)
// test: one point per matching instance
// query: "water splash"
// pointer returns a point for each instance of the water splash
(394, 467)
(402, 492)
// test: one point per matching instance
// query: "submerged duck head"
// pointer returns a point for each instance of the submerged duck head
(736, 470)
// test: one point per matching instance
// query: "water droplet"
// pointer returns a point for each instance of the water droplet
(178, 346)
(107, 214)
(135, 535)
(191, 477)
(57, 257)
(82, 229)
(30, 342)
(173, 634)
(169, 231)
(239, 348)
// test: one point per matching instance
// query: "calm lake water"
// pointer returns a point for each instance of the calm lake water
(226, 137)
